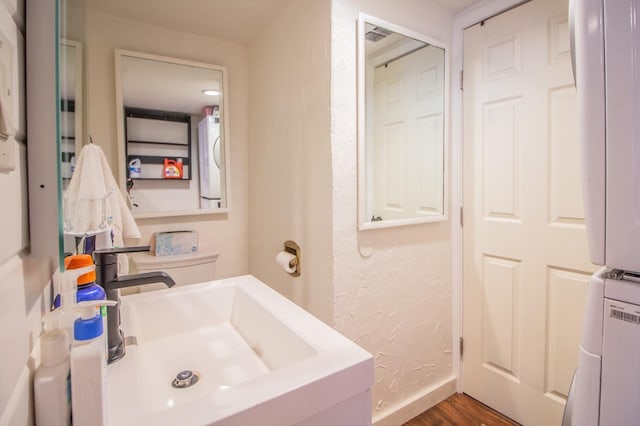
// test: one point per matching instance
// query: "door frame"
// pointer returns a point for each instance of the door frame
(471, 16)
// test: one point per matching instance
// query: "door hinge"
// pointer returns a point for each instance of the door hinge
(461, 79)
(461, 217)
(461, 347)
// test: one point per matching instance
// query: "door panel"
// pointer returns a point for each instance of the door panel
(409, 97)
(526, 263)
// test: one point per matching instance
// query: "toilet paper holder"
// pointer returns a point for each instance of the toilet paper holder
(294, 249)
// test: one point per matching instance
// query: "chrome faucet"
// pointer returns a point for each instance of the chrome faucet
(106, 261)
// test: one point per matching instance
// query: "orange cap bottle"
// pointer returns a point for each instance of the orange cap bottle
(78, 261)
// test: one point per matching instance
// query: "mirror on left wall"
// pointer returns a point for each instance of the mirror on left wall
(85, 72)
(54, 76)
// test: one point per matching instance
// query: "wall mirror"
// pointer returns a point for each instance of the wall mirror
(173, 140)
(402, 126)
(91, 72)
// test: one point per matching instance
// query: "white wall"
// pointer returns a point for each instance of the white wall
(24, 279)
(290, 153)
(395, 302)
(101, 34)
(393, 287)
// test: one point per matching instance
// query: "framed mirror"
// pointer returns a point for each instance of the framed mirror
(402, 126)
(173, 142)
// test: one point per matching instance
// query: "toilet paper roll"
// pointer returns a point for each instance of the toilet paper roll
(287, 261)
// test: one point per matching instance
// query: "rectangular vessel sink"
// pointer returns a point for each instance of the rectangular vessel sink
(259, 358)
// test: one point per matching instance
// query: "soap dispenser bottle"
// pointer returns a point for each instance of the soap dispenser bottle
(89, 366)
(51, 383)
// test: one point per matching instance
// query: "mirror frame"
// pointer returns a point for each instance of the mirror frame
(363, 222)
(121, 166)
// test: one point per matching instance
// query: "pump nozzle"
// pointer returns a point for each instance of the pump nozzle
(87, 309)
(89, 325)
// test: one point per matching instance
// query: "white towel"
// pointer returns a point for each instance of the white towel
(83, 199)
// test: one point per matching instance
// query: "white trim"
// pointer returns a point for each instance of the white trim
(412, 407)
(45, 228)
(176, 213)
(464, 19)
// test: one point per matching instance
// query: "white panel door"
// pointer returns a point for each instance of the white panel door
(408, 120)
(526, 262)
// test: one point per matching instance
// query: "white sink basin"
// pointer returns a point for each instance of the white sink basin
(260, 359)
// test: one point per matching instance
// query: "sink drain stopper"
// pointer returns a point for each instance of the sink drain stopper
(184, 379)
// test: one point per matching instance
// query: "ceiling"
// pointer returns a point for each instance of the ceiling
(240, 21)
(152, 83)
(457, 5)
(235, 20)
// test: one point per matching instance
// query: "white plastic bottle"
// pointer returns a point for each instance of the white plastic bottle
(51, 385)
(89, 367)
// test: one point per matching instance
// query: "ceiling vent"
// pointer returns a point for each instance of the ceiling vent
(377, 33)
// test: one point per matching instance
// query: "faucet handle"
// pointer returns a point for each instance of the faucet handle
(107, 256)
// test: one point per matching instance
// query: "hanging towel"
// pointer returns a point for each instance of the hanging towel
(83, 199)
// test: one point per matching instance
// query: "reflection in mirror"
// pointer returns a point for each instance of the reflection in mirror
(402, 126)
(173, 145)
(70, 84)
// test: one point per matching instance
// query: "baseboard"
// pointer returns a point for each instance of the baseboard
(420, 403)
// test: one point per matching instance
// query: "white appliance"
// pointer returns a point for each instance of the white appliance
(210, 162)
(606, 48)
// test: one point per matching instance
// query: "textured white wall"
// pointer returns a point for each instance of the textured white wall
(393, 287)
(101, 34)
(24, 289)
(290, 153)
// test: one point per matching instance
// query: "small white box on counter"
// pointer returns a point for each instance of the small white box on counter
(175, 243)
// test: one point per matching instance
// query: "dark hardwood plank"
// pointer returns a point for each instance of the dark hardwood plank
(460, 410)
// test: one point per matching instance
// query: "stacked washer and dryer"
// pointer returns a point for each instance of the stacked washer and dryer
(606, 53)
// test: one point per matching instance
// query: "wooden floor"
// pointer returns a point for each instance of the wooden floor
(460, 410)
